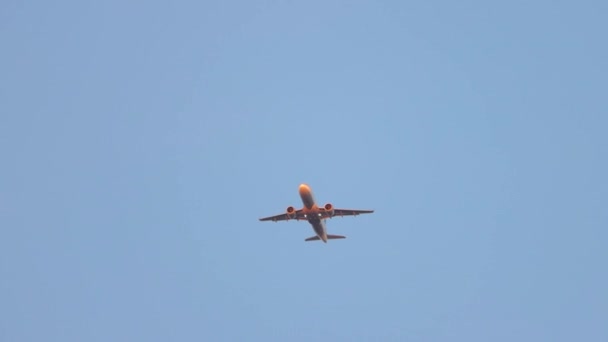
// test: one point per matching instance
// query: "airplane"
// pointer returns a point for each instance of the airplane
(315, 215)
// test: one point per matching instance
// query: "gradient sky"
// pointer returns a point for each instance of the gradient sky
(142, 140)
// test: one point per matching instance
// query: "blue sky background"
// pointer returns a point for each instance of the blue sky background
(141, 141)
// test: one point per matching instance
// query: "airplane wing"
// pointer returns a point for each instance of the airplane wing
(284, 217)
(350, 212)
(299, 215)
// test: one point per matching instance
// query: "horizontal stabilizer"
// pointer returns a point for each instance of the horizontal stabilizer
(329, 237)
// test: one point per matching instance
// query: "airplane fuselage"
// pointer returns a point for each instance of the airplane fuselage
(312, 213)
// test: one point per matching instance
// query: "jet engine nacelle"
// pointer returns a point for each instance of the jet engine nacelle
(291, 212)
(329, 209)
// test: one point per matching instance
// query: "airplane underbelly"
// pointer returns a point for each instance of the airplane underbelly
(308, 201)
(318, 227)
(307, 198)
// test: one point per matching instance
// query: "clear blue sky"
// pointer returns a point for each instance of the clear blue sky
(140, 142)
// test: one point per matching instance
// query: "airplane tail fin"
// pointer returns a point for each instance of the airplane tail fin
(329, 237)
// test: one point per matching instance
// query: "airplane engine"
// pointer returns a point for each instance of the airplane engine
(291, 212)
(329, 209)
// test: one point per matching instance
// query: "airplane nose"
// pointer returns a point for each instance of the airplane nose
(304, 188)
